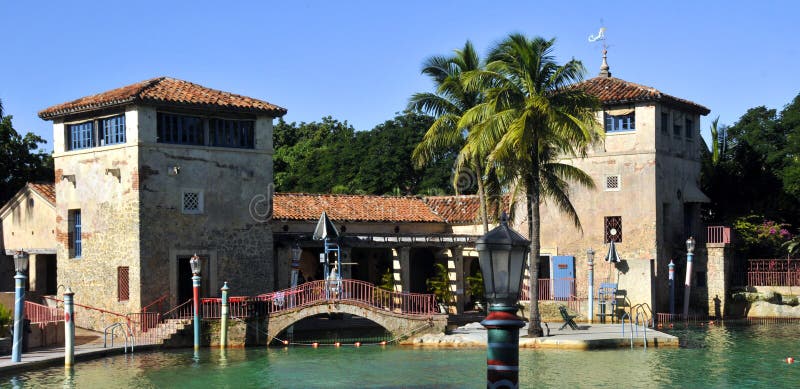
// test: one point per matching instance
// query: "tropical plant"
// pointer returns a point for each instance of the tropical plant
(716, 143)
(758, 237)
(5, 320)
(439, 284)
(531, 116)
(476, 287)
(450, 101)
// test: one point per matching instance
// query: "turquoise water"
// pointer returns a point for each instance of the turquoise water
(715, 357)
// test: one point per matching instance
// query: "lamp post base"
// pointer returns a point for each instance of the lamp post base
(502, 352)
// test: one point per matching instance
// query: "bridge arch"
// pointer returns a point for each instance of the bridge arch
(397, 324)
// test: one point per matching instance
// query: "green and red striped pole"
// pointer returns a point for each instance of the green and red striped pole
(502, 359)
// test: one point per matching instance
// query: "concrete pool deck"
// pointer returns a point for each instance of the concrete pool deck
(88, 345)
(588, 337)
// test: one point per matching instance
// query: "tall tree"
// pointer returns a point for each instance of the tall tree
(448, 104)
(531, 117)
(20, 162)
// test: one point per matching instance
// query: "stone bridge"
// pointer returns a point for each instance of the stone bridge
(400, 325)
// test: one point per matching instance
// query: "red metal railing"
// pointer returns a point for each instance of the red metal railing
(773, 272)
(157, 305)
(41, 314)
(549, 289)
(718, 234)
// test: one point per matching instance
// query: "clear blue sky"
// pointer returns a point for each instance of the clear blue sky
(359, 60)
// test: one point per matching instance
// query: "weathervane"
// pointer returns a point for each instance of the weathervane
(601, 36)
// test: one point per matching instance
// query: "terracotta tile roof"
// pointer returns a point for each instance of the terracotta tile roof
(456, 209)
(352, 208)
(46, 189)
(612, 91)
(165, 91)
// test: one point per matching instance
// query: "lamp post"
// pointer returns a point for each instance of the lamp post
(688, 284)
(223, 336)
(590, 287)
(296, 253)
(671, 287)
(502, 253)
(20, 266)
(194, 262)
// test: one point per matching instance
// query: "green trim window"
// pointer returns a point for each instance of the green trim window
(232, 133)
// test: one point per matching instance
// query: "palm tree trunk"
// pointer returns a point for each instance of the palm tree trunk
(534, 319)
(482, 196)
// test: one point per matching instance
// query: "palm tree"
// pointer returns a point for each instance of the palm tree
(533, 115)
(450, 101)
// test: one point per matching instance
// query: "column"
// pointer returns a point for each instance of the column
(455, 268)
(720, 256)
(401, 267)
(283, 259)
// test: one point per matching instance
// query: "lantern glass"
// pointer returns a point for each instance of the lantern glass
(502, 253)
(194, 262)
(21, 262)
(690, 244)
(296, 253)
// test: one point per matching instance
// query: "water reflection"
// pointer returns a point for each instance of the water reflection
(722, 356)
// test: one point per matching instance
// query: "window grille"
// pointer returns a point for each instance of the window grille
(113, 130)
(192, 202)
(665, 122)
(123, 285)
(613, 229)
(74, 238)
(80, 135)
(180, 129)
(232, 133)
(612, 182)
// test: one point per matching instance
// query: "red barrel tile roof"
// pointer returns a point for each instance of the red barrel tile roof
(456, 209)
(46, 189)
(612, 91)
(352, 208)
(165, 91)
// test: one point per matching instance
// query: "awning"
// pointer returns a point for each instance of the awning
(693, 194)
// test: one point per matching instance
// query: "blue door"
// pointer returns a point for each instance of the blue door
(563, 270)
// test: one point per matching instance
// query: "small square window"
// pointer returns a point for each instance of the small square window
(613, 229)
(192, 201)
(612, 182)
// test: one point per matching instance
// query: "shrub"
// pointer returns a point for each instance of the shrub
(758, 237)
(5, 320)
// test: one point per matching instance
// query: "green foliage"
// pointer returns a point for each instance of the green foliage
(476, 286)
(331, 157)
(19, 161)
(387, 280)
(439, 284)
(5, 320)
(758, 162)
(758, 237)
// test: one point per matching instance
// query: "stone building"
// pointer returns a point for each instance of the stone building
(646, 173)
(148, 174)
(27, 223)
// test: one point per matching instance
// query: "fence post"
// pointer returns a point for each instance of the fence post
(223, 336)
(69, 328)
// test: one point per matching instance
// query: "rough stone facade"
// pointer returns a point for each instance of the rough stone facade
(130, 198)
(657, 174)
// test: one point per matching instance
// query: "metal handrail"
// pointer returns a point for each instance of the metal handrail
(113, 327)
(645, 328)
(622, 321)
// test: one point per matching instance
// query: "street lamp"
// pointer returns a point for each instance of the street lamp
(194, 263)
(20, 266)
(590, 287)
(296, 253)
(502, 253)
(671, 267)
(688, 285)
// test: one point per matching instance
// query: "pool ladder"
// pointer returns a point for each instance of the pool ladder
(110, 330)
